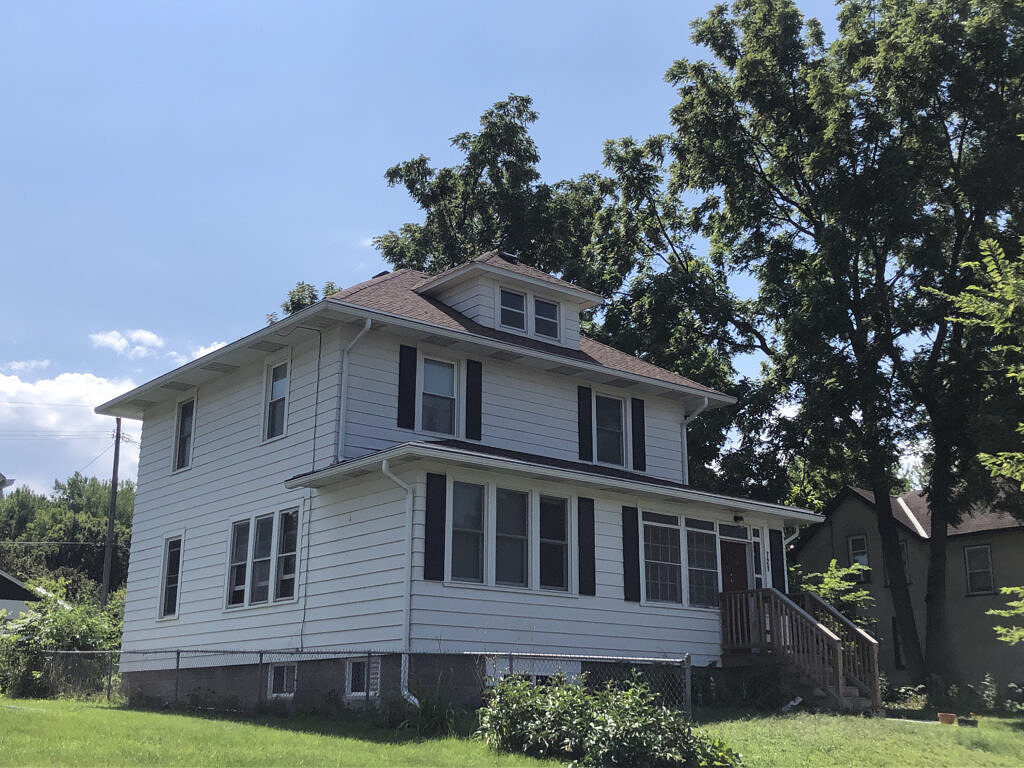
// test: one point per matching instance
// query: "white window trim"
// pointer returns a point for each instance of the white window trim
(270, 681)
(372, 664)
(627, 435)
(533, 536)
(458, 389)
(268, 367)
(194, 397)
(683, 574)
(530, 314)
(968, 571)
(865, 577)
(180, 535)
(270, 601)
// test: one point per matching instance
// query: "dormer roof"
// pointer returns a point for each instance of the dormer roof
(507, 266)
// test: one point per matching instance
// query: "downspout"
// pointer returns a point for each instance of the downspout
(407, 608)
(686, 451)
(339, 435)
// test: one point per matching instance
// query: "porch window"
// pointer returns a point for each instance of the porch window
(978, 559)
(467, 532)
(511, 538)
(702, 563)
(554, 543)
(662, 558)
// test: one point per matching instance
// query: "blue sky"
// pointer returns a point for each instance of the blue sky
(170, 170)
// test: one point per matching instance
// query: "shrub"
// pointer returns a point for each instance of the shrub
(614, 725)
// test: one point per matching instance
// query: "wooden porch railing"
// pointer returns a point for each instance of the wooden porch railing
(860, 650)
(766, 621)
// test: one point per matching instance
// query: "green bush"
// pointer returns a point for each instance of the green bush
(612, 726)
(27, 668)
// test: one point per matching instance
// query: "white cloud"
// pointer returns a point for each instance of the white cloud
(195, 352)
(24, 366)
(48, 429)
(132, 343)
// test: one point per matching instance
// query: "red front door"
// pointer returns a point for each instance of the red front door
(734, 566)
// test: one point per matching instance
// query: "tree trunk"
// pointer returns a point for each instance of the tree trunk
(943, 510)
(902, 605)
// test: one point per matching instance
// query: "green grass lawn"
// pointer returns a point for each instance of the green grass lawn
(54, 733)
(836, 740)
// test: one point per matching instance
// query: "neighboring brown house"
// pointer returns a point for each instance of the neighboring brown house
(985, 552)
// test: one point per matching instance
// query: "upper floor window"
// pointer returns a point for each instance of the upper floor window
(171, 579)
(978, 559)
(857, 549)
(263, 553)
(513, 310)
(183, 434)
(437, 409)
(545, 318)
(608, 430)
(277, 400)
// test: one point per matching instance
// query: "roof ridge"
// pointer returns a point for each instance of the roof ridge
(352, 290)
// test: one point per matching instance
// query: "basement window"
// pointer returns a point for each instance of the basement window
(282, 680)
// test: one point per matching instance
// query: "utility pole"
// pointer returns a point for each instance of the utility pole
(108, 552)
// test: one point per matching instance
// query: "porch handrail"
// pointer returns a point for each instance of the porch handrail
(860, 649)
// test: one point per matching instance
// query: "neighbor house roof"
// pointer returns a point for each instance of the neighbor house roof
(396, 293)
(14, 589)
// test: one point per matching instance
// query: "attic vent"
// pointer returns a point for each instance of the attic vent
(381, 274)
(510, 258)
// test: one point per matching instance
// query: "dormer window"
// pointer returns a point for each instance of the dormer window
(513, 310)
(545, 318)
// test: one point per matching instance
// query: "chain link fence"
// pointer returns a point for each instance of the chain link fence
(330, 679)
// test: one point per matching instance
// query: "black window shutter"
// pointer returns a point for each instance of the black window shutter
(639, 436)
(433, 544)
(586, 423)
(585, 533)
(407, 387)
(777, 560)
(630, 555)
(474, 399)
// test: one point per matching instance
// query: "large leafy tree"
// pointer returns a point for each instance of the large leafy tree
(847, 178)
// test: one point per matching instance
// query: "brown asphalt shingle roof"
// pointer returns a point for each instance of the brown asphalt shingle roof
(395, 293)
(979, 520)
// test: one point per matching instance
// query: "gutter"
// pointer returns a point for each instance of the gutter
(407, 608)
(339, 433)
(686, 449)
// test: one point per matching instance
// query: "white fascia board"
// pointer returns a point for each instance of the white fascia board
(718, 398)
(121, 405)
(587, 298)
(426, 451)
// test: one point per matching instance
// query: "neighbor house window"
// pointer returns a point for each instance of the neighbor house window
(608, 430)
(511, 539)
(172, 577)
(277, 400)
(183, 434)
(282, 680)
(467, 532)
(545, 318)
(857, 549)
(262, 559)
(437, 412)
(554, 543)
(663, 578)
(362, 677)
(513, 310)
(701, 562)
(978, 559)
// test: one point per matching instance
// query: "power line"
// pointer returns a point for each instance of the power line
(97, 456)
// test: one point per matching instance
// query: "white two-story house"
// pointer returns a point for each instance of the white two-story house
(426, 466)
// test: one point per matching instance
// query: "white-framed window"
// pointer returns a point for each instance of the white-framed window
(758, 559)
(978, 564)
(545, 318)
(439, 396)
(663, 560)
(262, 559)
(184, 427)
(276, 411)
(857, 550)
(282, 680)
(171, 578)
(512, 309)
(362, 678)
(609, 430)
(702, 563)
(509, 537)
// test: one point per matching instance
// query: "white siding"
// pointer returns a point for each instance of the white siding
(473, 298)
(524, 409)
